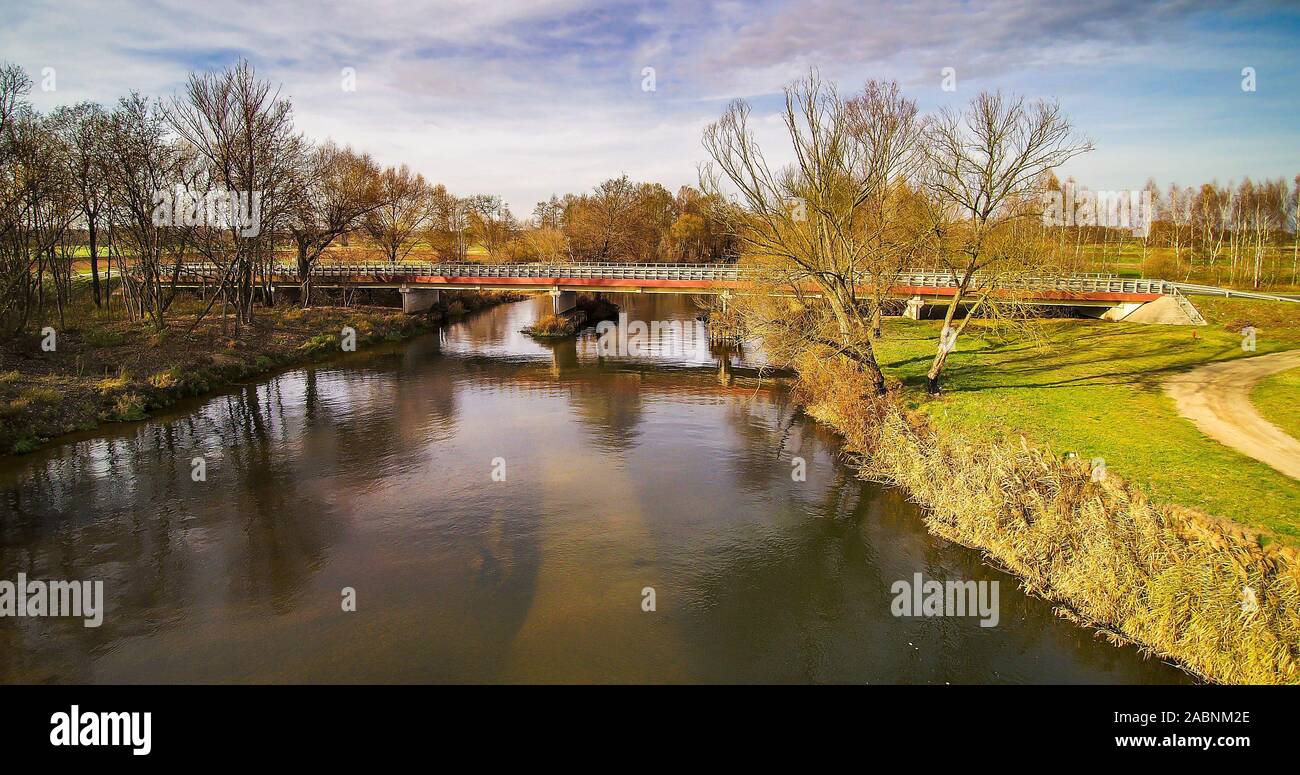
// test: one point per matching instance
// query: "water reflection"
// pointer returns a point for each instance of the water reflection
(375, 473)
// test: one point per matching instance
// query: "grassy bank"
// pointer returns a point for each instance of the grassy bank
(112, 370)
(1208, 594)
(1094, 388)
(1278, 399)
(1143, 552)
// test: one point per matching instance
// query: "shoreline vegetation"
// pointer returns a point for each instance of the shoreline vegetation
(105, 370)
(1217, 597)
(1220, 600)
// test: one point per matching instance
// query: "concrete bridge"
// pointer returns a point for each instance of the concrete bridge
(1098, 295)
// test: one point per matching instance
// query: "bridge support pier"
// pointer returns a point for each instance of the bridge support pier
(563, 301)
(418, 300)
(914, 307)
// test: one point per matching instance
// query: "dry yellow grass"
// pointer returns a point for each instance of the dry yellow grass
(1220, 600)
(551, 326)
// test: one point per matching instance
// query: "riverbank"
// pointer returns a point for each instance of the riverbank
(104, 370)
(1096, 389)
(1067, 466)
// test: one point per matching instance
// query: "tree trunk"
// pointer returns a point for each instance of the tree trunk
(94, 261)
(872, 369)
(304, 274)
(850, 326)
(932, 385)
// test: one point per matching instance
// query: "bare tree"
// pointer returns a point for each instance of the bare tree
(448, 225)
(804, 224)
(243, 134)
(405, 209)
(492, 224)
(336, 189)
(142, 164)
(83, 128)
(1295, 232)
(37, 203)
(599, 224)
(887, 126)
(985, 172)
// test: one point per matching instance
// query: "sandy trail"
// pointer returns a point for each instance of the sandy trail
(1216, 397)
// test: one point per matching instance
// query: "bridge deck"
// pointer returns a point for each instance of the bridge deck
(1084, 289)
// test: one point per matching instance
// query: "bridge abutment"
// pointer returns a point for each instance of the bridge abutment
(914, 307)
(419, 300)
(563, 301)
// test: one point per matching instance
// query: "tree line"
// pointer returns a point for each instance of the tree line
(1240, 233)
(217, 173)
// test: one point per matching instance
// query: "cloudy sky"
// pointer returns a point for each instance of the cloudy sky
(524, 99)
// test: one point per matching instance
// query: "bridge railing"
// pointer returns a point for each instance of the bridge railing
(1077, 283)
(1068, 283)
(1192, 289)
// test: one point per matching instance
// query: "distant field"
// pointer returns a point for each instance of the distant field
(1130, 260)
(1094, 388)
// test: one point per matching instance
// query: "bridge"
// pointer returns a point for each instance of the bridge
(1100, 295)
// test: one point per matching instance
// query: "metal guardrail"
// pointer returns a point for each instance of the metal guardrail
(1072, 283)
(1192, 289)
(1082, 283)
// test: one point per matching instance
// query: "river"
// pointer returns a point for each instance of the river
(501, 510)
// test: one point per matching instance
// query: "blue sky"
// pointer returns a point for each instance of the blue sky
(528, 98)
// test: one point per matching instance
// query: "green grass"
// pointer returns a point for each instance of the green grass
(1278, 399)
(1094, 388)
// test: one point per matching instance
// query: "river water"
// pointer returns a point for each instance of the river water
(500, 510)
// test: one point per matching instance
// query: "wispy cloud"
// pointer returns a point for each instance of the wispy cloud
(525, 99)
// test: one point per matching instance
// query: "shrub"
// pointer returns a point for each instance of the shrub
(127, 407)
(319, 342)
(164, 380)
(41, 395)
(551, 326)
(113, 384)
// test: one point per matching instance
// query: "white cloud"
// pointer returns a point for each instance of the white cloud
(525, 99)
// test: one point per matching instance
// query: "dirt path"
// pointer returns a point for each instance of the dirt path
(1216, 397)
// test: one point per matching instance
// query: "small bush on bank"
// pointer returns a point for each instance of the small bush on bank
(551, 327)
(113, 384)
(126, 408)
(164, 380)
(41, 395)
